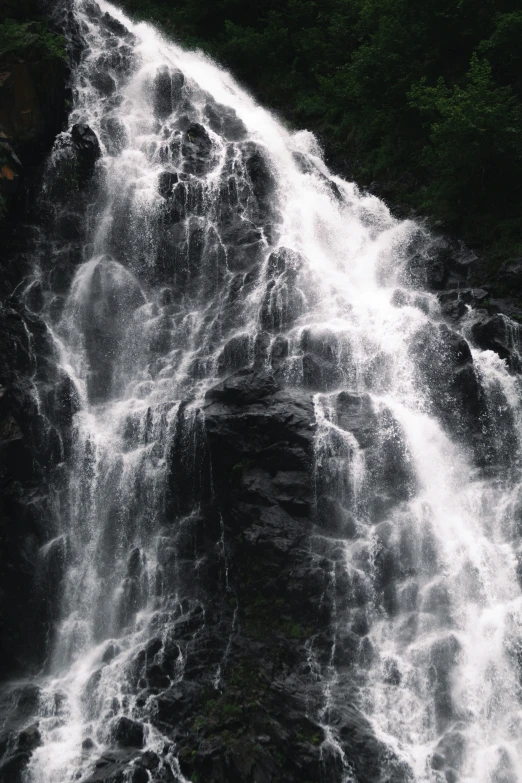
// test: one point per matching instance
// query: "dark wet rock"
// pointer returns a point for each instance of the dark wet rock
(235, 354)
(103, 82)
(16, 746)
(29, 738)
(51, 567)
(388, 480)
(444, 655)
(444, 362)
(36, 85)
(188, 464)
(244, 243)
(443, 265)
(427, 272)
(279, 350)
(454, 309)
(85, 142)
(87, 148)
(111, 651)
(475, 297)
(293, 492)
(356, 414)
(119, 60)
(321, 365)
(34, 296)
(69, 225)
(30, 445)
(166, 183)
(128, 733)
(12, 768)
(451, 750)
(262, 181)
(499, 334)
(368, 756)
(168, 92)
(115, 26)
(149, 760)
(196, 149)
(242, 472)
(224, 121)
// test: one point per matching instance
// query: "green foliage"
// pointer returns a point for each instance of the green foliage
(30, 38)
(475, 142)
(424, 99)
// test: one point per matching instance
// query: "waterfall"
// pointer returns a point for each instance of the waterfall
(212, 240)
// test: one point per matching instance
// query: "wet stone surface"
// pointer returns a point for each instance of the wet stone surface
(258, 442)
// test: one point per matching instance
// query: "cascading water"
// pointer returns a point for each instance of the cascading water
(216, 240)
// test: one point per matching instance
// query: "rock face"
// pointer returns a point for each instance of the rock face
(87, 148)
(243, 710)
(237, 481)
(34, 429)
(260, 450)
(33, 439)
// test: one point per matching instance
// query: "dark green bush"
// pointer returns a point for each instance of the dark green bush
(30, 38)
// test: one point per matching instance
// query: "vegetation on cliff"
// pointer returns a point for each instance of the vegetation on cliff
(422, 103)
(33, 68)
(30, 39)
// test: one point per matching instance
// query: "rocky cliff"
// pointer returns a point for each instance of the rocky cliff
(205, 537)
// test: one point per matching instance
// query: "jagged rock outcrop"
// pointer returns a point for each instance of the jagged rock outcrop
(34, 424)
(247, 707)
(34, 433)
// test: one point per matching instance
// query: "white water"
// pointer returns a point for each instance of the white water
(457, 525)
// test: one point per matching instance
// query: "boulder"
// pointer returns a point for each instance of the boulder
(128, 733)
(103, 81)
(224, 121)
(86, 143)
(87, 148)
(114, 26)
(498, 333)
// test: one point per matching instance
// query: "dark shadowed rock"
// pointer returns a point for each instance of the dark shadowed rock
(114, 26)
(166, 183)
(168, 92)
(87, 148)
(196, 149)
(112, 766)
(128, 733)
(103, 82)
(224, 121)
(85, 142)
(498, 333)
